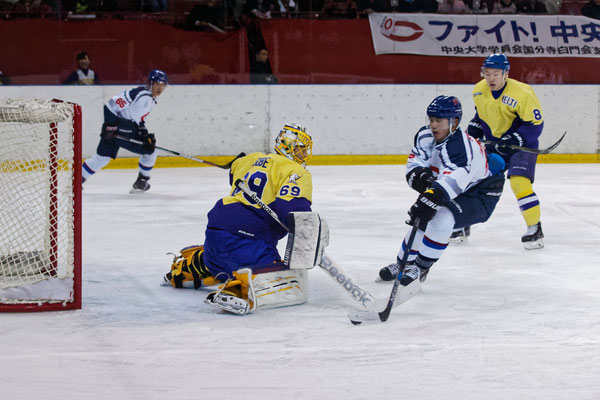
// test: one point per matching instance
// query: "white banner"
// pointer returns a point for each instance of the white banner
(480, 35)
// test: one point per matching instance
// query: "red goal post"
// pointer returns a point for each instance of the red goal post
(40, 197)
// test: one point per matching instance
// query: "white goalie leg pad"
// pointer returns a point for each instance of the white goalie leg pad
(281, 288)
(308, 237)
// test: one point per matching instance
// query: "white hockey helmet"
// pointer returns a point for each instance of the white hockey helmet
(294, 143)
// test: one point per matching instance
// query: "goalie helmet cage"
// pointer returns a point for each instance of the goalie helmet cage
(40, 212)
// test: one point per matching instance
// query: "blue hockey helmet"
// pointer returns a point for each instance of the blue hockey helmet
(156, 75)
(445, 107)
(497, 61)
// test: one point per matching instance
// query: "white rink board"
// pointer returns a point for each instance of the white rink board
(343, 119)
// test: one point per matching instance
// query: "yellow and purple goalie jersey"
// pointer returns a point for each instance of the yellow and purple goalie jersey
(282, 184)
(515, 107)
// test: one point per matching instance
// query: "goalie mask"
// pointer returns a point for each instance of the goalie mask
(294, 143)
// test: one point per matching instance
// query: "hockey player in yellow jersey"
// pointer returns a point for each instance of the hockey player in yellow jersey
(241, 234)
(509, 113)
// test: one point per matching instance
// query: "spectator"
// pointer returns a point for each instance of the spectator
(207, 17)
(479, 7)
(31, 9)
(83, 75)
(260, 9)
(504, 7)
(260, 68)
(532, 7)
(366, 7)
(154, 5)
(340, 9)
(453, 7)
(592, 9)
(4, 79)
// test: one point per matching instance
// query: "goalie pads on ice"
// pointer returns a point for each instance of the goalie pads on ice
(246, 292)
(308, 237)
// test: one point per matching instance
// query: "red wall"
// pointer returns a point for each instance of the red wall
(302, 51)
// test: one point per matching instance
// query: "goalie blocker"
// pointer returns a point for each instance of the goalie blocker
(281, 284)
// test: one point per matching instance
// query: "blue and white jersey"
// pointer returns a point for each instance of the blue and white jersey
(133, 105)
(457, 163)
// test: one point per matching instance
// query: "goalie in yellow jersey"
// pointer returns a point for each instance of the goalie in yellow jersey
(508, 113)
(240, 242)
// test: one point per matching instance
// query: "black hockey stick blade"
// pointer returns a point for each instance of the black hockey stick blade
(529, 150)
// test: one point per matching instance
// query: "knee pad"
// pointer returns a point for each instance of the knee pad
(189, 266)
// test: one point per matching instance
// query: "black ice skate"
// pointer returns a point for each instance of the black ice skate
(390, 272)
(141, 184)
(533, 237)
(460, 235)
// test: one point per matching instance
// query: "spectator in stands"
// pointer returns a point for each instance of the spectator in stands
(154, 5)
(207, 17)
(504, 7)
(31, 9)
(287, 8)
(260, 68)
(260, 9)
(592, 9)
(4, 79)
(531, 7)
(339, 9)
(83, 75)
(366, 7)
(452, 7)
(479, 7)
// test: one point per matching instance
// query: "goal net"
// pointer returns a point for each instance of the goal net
(40, 205)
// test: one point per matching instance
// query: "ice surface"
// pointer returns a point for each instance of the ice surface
(493, 320)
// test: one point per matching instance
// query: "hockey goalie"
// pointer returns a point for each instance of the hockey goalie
(240, 247)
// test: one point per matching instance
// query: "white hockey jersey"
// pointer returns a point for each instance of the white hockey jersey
(133, 105)
(457, 163)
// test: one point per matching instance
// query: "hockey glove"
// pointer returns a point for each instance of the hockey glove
(420, 179)
(426, 206)
(148, 139)
(474, 129)
(109, 131)
(503, 147)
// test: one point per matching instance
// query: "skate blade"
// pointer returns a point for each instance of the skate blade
(538, 244)
(133, 191)
(458, 240)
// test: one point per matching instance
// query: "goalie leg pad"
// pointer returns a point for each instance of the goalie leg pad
(281, 288)
(245, 293)
(308, 237)
(236, 295)
(188, 268)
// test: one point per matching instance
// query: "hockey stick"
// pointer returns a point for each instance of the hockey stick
(359, 317)
(224, 166)
(527, 149)
(337, 273)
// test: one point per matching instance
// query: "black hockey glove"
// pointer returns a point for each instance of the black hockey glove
(148, 139)
(474, 129)
(150, 142)
(109, 131)
(507, 140)
(426, 206)
(420, 179)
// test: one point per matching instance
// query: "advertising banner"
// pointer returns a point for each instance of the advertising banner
(480, 35)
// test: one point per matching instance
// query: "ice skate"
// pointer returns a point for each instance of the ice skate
(533, 237)
(460, 235)
(141, 184)
(389, 273)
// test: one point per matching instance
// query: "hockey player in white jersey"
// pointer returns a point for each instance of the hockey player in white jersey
(124, 115)
(456, 188)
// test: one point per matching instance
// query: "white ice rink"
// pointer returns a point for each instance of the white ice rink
(493, 321)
